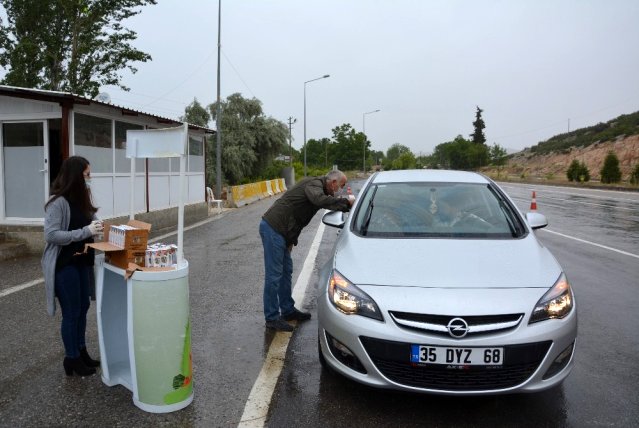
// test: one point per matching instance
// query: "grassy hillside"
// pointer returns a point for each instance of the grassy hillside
(624, 125)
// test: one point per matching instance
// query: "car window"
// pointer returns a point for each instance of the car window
(462, 210)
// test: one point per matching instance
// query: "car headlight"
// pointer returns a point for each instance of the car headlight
(556, 303)
(349, 299)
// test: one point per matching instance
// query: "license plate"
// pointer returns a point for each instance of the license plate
(457, 356)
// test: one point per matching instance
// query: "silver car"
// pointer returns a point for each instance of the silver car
(438, 284)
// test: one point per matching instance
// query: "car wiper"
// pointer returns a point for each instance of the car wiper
(368, 214)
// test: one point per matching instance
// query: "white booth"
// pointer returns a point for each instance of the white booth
(144, 325)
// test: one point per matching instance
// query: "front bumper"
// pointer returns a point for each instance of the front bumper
(381, 350)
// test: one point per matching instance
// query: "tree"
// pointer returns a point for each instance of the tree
(347, 147)
(68, 45)
(578, 171)
(393, 153)
(405, 161)
(478, 136)
(634, 176)
(610, 172)
(250, 140)
(460, 154)
(498, 157)
(196, 114)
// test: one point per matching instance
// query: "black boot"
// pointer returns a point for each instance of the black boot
(87, 360)
(76, 365)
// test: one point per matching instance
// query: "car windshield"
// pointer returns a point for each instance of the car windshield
(451, 210)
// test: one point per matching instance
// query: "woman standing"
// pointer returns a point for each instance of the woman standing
(69, 223)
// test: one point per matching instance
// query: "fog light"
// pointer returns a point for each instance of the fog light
(341, 347)
(344, 355)
(560, 362)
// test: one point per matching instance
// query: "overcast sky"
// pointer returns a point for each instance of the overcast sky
(536, 68)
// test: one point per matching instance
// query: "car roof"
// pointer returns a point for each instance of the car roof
(428, 175)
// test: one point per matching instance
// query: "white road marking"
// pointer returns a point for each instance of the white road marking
(17, 288)
(257, 404)
(592, 243)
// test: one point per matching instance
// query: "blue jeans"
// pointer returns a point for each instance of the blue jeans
(278, 267)
(72, 291)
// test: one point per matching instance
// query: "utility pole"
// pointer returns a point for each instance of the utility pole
(291, 121)
(218, 114)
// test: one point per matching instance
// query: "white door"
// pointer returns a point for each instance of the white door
(25, 169)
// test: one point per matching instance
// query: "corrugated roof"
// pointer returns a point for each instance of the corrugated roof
(59, 95)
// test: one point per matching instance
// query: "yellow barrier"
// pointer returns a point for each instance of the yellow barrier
(245, 194)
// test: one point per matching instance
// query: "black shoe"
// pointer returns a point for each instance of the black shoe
(297, 315)
(87, 360)
(75, 365)
(279, 325)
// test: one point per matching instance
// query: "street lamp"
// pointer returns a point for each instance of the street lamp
(308, 81)
(364, 130)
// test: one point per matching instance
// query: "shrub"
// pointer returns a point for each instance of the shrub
(571, 173)
(578, 171)
(634, 175)
(610, 172)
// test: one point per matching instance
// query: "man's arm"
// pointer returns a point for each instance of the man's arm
(315, 193)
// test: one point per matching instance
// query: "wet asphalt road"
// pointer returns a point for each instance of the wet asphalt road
(229, 341)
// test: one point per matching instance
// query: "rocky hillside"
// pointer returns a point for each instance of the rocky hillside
(550, 159)
(553, 165)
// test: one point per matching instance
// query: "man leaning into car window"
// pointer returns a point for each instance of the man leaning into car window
(280, 227)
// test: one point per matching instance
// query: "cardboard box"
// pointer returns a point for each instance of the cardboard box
(130, 239)
(122, 258)
(134, 249)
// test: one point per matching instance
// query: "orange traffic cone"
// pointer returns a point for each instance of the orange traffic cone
(533, 203)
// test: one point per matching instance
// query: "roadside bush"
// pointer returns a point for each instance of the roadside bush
(634, 175)
(578, 171)
(610, 172)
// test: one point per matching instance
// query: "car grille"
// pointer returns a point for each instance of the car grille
(392, 359)
(437, 324)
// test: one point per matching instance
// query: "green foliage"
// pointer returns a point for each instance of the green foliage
(273, 171)
(498, 157)
(250, 140)
(610, 172)
(68, 45)
(627, 124)
(347, 150)
(478, 136)
(393, 153)
(405, 161)
(317, 153)
(196, 114)
(634, 175)
(461, 154)
(578, 171)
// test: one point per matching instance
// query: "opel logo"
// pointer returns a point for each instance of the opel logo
(457, 328)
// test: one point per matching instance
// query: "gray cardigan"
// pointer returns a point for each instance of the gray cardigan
(57, 217)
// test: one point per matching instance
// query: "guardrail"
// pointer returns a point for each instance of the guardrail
(245, 194)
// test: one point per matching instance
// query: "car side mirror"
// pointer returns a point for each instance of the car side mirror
(334, 219)
(536, 220)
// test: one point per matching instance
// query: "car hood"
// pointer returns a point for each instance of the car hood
(448, 263)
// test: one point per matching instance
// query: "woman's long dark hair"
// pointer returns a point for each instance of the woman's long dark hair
(71, 185)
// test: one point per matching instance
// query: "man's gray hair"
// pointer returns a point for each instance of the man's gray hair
(335, 174)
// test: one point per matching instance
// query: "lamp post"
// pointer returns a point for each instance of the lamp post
(364, 130)
(308, 81)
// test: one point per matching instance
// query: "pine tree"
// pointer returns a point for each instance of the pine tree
(478, 136)
(610, 172)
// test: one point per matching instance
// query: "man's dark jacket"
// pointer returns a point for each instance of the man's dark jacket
(295, 209)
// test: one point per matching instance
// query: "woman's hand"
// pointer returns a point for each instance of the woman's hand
(96, 227)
